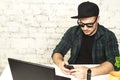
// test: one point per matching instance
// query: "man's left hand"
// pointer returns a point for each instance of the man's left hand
(80, 72)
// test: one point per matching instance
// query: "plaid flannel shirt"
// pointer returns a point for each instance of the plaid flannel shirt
(105, 46)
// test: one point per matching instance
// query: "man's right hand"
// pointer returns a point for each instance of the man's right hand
(60, 62)
(63, 68)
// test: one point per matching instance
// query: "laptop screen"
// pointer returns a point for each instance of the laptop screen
(22, 70)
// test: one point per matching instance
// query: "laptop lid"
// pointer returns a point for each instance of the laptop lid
(22, 70)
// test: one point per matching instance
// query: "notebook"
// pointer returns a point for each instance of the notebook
(23, 70)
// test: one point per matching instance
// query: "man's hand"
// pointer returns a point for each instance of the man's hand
(63, 68)
(80, 72)
(60, 62)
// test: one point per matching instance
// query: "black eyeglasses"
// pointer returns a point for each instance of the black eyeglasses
(89, 25)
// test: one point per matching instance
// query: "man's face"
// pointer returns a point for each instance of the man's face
(88, 25)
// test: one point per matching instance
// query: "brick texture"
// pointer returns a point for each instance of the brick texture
(30, 29)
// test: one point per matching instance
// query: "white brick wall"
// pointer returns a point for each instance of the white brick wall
(30, 29)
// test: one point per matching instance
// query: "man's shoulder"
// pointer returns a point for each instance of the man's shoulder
(105, 31)
(74, 29)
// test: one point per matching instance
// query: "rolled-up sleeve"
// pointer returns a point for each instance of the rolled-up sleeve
(112, 48)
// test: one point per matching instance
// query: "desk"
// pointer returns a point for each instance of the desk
(100, 77)
(6, 75)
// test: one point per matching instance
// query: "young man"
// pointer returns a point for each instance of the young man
(89, 42)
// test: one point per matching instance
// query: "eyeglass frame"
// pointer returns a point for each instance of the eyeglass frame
(87, 24)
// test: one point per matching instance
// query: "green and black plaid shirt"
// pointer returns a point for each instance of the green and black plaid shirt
(105, 45)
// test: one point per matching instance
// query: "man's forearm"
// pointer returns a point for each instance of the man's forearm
(57, 58)
(102, 69)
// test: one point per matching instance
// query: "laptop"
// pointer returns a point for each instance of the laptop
(23, 70)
